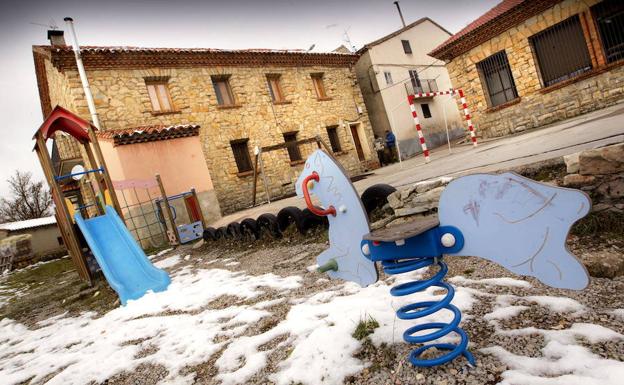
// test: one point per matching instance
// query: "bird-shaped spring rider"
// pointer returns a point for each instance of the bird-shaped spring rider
(505, 218)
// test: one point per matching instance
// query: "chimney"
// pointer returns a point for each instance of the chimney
(56, 37)
(400, 13)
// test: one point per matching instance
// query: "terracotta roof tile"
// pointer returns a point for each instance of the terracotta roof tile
(95, 57)
(149, 133)
(503, 16)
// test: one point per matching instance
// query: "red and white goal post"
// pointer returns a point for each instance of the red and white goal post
(421, 138)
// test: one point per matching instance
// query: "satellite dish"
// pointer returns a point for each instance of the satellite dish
(77, 169)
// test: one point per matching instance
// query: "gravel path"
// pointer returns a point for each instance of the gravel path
(387, 363)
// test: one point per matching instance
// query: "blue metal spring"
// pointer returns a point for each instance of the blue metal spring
(425, 308)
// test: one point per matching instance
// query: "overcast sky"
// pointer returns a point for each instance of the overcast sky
(171, 23)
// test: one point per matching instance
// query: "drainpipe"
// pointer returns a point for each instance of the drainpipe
(81, 71)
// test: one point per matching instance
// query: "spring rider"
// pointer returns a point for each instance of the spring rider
(505, 218)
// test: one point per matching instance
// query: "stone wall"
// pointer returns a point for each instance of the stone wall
(536, 105)
(122, 101)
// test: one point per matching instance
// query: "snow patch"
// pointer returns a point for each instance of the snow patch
(176, 321)
(168, 262)
(564, 362)
(503, 281)
(556, 304)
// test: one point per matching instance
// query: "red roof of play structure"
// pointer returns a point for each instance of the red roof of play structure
(63, 120)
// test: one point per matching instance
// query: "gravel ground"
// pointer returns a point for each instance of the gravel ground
(387, 363)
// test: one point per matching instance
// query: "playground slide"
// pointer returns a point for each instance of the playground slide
(125, 265)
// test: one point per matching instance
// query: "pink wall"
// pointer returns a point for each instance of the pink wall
(180, 163)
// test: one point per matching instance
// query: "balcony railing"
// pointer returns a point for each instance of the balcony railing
(421, 86)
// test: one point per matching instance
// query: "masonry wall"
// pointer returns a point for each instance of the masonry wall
(537, 105)
(122, 101)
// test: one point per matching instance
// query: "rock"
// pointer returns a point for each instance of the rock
(604, 264)
(572, 163)
(600, 161)
(427, 185)
(419, 203)
(613, 188)
(198, 244)
(578, 180)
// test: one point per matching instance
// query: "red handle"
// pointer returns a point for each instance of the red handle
(306, 195)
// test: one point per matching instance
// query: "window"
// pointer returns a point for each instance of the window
(407, 48)
(290, 138)
(426, 111)
(499, 83)
(275, 88)
(319, 87)
(159, 96)
(388, 77)
(609, 16)
(416, 85)
(561, 51)
(241, 155)
(221, 84)
(334, 141)
(59, 240)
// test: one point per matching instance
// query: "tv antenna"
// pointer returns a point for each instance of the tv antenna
(51, 25)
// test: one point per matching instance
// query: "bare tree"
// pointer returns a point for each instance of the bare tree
(28, 199)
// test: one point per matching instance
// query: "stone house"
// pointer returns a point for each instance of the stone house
(527, 63)
(398, 64)
(45, 236)
(198, 114)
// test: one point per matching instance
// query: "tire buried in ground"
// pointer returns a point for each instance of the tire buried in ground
(222, 233)
(249, 229)
(290, 215)
(210, 234)
(311, 220)
(376, 196)
(234, 230)
(267, 223)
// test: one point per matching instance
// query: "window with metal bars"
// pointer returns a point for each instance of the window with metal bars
(609, 16)
(290, 138)
(561, 51)
(499, 83)
(240, 149)
(334, 140)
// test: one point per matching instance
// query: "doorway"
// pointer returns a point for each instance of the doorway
(356, 134)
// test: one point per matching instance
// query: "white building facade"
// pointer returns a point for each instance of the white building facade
(397, 64)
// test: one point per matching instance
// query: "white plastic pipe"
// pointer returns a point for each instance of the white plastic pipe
(81, 71)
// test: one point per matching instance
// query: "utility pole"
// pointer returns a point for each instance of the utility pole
(400, 13)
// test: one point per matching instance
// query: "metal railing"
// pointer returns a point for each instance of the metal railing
(420, 86)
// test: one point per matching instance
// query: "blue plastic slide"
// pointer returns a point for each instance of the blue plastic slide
(125, 265)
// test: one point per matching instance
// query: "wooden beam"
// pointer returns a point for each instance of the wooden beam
(167, 208)
(64, 221)
(285, 145)
(255, 181)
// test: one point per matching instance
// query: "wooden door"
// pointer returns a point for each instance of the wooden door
(356, 140)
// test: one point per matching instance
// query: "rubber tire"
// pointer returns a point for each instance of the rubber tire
(269, 222)
(249, 226)
(376, 196)
(289, 215)
(234, 230)
(313, 220)
(210, 234)
(221, 232)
